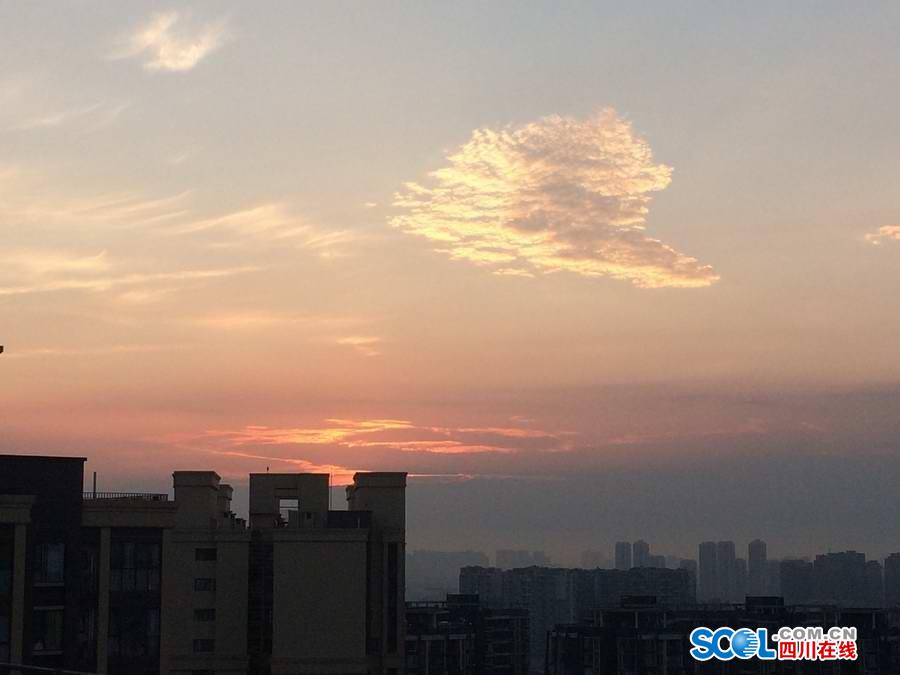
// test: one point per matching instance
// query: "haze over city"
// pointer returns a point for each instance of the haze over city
(588, 273)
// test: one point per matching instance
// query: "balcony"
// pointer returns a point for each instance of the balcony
(130, 496)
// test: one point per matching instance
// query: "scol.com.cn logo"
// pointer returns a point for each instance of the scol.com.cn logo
(791, 644)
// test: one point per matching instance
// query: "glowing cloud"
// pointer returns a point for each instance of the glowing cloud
(885, 233)
(166, 43)
(388, 434)
(556, 194)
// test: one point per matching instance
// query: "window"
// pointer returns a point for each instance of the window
(4, 638)
(205, 614)
(49, 563)
(204, 584)
(204, 646)
(133, 631)
(47, 629)
(134, 566)
(287, 508)
(205, 554)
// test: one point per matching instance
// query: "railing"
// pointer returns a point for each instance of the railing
(19, 669)
(145, 496)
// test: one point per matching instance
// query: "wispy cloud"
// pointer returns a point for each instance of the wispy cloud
(388, 434)
(172, 41)
(91, 117)
(364, 345)
(106, 350)
(884, 233)
(272, 223)
(61, 278)
(556, 194)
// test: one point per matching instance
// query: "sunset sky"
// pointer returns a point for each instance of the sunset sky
(585, 271)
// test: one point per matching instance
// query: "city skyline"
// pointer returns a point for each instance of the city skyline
(588, 274)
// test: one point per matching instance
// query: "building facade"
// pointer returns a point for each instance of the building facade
(139, 584)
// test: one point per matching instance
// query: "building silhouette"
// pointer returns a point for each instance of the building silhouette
(556, 595)
(642, 637)
(726, 571)
(640, 554)
(757, 560)
(708, 581)
(623, 555)
(796, 581)
(458, 636)
(137, 584)
(892, 580)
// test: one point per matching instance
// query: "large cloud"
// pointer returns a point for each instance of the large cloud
(556, 194)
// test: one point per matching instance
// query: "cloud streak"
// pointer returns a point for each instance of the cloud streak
(884, 233)
(170, 42)
(556, 194)
(390, 434)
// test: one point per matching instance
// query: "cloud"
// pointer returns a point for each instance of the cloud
(169, 41)
(271, 223)
(364, 345)
(388, 434)
(60, 278)
(51, 352)
(884, 233)
(94, 117)
(556, 194)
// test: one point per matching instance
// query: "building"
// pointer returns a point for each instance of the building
(431, 575)
(846, 579)
(757, 560)
(85, 587)
(640, 554)
(554, 595)
(623, 555)
(796, 581)
(726, 571)
(651, 640)
(708, 581)
(438, 643)
(892, 580)
(458, 635)
(139, 584)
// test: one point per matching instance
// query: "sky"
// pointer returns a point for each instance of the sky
(586, 271)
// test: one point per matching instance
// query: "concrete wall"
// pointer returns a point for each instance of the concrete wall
(319, 605)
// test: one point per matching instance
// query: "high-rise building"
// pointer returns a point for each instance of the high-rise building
(708, 581)
(137, 583)
(756, 567)
(556, 595)
(740, 580)
(690, 566)
(892, 580)
(459, 636)
(726, 571)
(874, 584)
(841, 579)
(640, 554)
(623, 555)
(773, 577)
(796, 581)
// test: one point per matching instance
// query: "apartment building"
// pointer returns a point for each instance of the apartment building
(138, 583)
